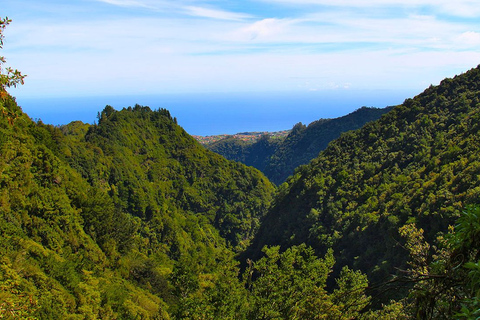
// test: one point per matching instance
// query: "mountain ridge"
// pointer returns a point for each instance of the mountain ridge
(417, 164)
(278, 156)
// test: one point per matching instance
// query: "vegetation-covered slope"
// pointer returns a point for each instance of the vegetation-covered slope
(418, 164)
(304, 143)
(108, 220)
(151, 166)
(50, 267)
(278, 158)
(256, 154)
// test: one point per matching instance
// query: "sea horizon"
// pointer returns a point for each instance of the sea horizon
(206, 114)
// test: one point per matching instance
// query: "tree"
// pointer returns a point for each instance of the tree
(292, 285)
(9, 78)
(446, 277)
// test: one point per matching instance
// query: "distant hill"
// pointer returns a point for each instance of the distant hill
(278, 158)
(248, 137)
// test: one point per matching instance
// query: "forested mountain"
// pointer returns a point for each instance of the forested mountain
(278, 158)
(132, 219)
(106, 221)
(418, 164)
(256, 154)
(151, 167)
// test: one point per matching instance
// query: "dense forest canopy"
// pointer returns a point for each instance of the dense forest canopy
(131, 218)
(278, 158)
(92, 227)
(418, 165)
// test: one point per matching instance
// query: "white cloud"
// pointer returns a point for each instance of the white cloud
(215, 14)
(171, 51)
(128, 3)
(469, 39)
(263, 30)
(462, 8)
(347, 31)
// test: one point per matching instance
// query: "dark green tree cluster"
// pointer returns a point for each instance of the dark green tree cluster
(153, 169)
(304, 143)
(278, 158)
(255, 154)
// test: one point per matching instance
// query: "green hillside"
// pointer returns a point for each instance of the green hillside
(278, 158)
(256, 154)
(102, 221)
(150, 167)
(304, 143)
(418, 164)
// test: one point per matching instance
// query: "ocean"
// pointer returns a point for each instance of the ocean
(219, 113)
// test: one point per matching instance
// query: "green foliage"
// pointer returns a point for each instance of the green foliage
(10, 78)
(215, 295)
(447, 278)
(416, 164)
(97, 220)
(289, 285)
(292, 285)
(256, 154)
(304, 143)
(278, 158)
(151, 167)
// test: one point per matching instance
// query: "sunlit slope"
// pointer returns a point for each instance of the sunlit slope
(150, 165)
(100, 221)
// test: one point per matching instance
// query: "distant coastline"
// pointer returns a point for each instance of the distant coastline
(207, 114)
(244, 136)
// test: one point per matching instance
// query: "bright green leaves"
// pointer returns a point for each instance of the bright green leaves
(417, 247)
(151, 168)
(14, 302)
(467, 231)
(292, 285)
(350, 297)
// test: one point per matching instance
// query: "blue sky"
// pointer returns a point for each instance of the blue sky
(111, 47)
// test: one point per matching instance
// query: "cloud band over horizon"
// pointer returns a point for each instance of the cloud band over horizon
(92, 47)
